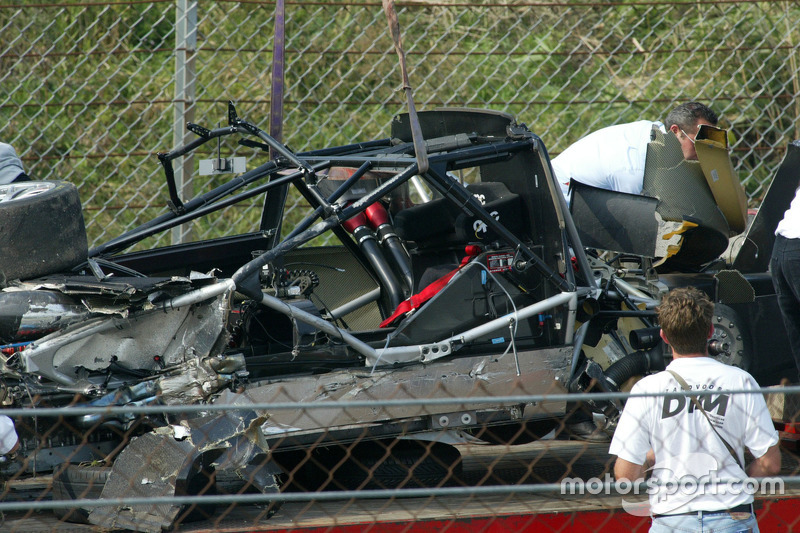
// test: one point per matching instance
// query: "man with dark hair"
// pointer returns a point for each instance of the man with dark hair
(695, 441)
(613, 158)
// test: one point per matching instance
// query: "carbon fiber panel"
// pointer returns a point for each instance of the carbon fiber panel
(757, 247)
(341, 279)
(679, 185)
(614, 221)
(733, 288)
(684, 195)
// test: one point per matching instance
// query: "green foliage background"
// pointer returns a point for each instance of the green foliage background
(89, 87)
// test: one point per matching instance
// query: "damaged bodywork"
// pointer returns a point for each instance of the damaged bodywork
(471, 278)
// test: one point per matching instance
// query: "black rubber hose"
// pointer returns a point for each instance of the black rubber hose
(369, 245)
(378, 218)
(634, 364)
(391, 241)
(645, 338)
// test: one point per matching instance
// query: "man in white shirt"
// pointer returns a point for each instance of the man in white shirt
(10, 165)
(785, 269)
(690, 446)
(9, 441)
(613, 158)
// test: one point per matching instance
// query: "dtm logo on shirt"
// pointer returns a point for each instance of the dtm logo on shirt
(675, 406)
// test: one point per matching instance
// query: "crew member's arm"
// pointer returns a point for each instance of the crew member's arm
(626, 470)
(650, 460)
(768, 464)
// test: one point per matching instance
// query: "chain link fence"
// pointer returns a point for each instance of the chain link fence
(94, 89)
(500, 478)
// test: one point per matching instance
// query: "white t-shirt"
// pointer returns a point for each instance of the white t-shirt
(610, 158)
(686, 447)
(10, 164)
(789, 227)
(8, 435)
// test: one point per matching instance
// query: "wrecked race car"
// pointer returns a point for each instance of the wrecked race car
(460, 274)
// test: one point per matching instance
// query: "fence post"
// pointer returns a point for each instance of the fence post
(184, 104)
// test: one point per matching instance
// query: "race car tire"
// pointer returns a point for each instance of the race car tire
(198, 485)
(399, 464)
(41, 229)
(372, 465)
(515, 433)
(77, 482)
(395, 464)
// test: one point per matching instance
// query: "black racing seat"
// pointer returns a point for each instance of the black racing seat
(439, 222)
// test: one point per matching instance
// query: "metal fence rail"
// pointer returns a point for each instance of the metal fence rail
(484, 478)
(92, 90)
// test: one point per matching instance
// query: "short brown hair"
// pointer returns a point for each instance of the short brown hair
(685, 316)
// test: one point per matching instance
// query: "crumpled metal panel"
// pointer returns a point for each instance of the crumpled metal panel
(197, 379)
(115, 293)
(174, 461)
(173, 336)
(26, 315)
(148, 467)
(460, 377)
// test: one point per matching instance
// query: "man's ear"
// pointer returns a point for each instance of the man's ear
(711, 331)
(663, 337)
(675, 129)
